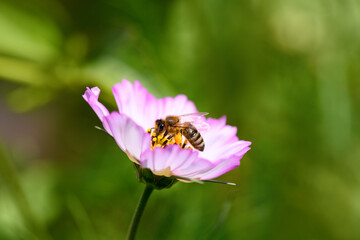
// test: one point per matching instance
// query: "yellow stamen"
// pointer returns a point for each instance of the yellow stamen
(149, 130)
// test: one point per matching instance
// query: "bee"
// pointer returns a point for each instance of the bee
(172, 128)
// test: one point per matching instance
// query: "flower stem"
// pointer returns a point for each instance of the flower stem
(139, 211)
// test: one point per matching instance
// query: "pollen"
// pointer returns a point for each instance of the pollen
(178, 138)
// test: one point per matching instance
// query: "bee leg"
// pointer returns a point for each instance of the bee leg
(181, 144)
(184, 144)
(166, 140)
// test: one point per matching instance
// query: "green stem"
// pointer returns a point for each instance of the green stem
(139, 211)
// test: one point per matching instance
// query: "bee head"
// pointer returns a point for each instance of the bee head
(159, 127)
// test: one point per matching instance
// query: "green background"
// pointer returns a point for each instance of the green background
(286, 73)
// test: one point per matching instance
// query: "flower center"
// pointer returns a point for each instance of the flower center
(169, 139)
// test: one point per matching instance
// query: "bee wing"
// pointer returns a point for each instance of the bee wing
(184, 125)
(196, 114)
(196, 119)
(201, 126)
(192, 117)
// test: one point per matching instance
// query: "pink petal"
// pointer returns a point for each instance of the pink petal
(180, 162)
(178, 105)
(135, 101)
(223, 167)
(222, 147)
(220, 140)
(130, 137)
(91, 96)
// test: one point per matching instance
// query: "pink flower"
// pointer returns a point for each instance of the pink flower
(138, 111)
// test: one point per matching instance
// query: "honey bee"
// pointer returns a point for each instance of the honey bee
(172, 128)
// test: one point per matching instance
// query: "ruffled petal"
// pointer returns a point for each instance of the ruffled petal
(130, 137)
(135, 101)
(91, 96)
(172, 160)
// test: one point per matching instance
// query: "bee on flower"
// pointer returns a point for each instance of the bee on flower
(168, 136)
(172, 129)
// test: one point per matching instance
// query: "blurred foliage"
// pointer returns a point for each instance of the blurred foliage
(286, 73)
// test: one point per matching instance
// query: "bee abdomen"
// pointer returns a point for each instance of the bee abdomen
(195, 139)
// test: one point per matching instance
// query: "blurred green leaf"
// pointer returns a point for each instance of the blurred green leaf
(26, 35)
(28, 98)
(22, 71)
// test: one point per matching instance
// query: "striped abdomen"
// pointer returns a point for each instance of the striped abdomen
(194, 137)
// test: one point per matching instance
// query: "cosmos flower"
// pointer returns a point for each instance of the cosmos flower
(138, 111)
